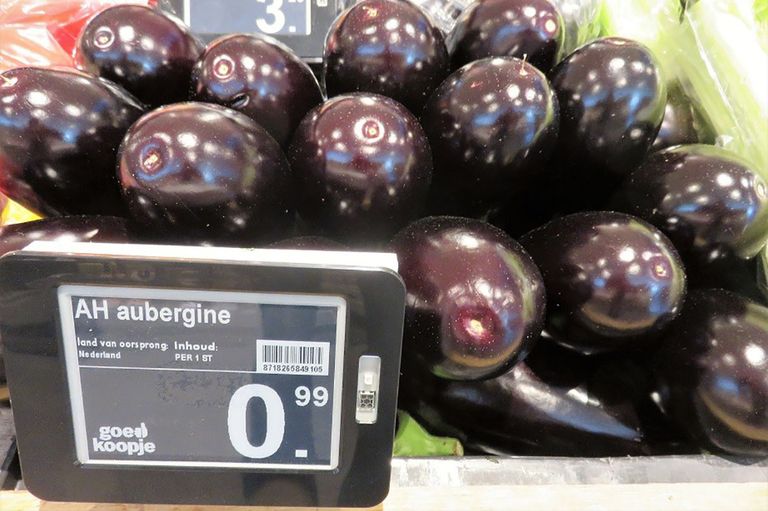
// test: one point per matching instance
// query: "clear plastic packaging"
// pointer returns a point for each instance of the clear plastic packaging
(44, 32)
(718, 51)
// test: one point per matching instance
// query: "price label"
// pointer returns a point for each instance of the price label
(202, 375)
(213, 379)
(273, 17)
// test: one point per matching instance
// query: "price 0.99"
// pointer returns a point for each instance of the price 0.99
(237, 416)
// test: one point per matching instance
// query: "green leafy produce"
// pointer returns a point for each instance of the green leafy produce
(718, 50)
(412, 440)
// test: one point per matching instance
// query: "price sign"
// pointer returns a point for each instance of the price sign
(203, 377)
(272, 17)
(258, 376)
(301, 24)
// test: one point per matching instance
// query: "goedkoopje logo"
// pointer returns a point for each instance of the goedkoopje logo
(128, 440)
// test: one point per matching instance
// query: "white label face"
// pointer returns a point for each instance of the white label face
(293, 357)
(163, 377)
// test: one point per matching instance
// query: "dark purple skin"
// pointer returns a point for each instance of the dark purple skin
(59, 134)
(475, 299)
(731, 273)
(492, 126)
(103, 229)
(612, 101)
(363, 167)
(259, 77)
(387, 47)
(553, 403)
(709, 202)
(681, 125)
(612, 280)
(712, 372)
(147, 52)
(532, 29)
(200, 172)
(308, 243)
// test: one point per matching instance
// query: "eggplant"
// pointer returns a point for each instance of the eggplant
(709, 201)
(613, 281)
(362, 166)
(59, 134)
(612, 99)
(386, 47)
(260, 77)
(712, 372)
(198, 171)
(530, 30)
(66, 228)
(492, 126)
(550, 404)
(682, 124)
(475, 300)
(142, 49)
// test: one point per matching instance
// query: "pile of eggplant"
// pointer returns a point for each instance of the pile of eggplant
(579, 258)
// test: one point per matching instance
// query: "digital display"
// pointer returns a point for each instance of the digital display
(164, 377)
(271, 17)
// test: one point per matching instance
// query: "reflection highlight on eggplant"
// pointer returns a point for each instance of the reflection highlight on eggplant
(493, 123)
(259, 77)
(612, 280)
(363, 166)
(530, 30)
(475, 300)
(386, 47)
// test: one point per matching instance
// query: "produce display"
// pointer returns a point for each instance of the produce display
(59, 131)
(277, 93)
(196, 171)
(614, 280)
(483, 30)
(602, 290)
(363, 167)
(492, 126)
(146, 52)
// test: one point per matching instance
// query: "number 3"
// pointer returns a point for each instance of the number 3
(275, 10)
(237, 421)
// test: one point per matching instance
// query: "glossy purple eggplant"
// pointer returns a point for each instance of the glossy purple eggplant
(712, 372)
(529, 29)
(200, 172)
(147, 52)
(260, 77)
(612, 99)
(551, 404)
(387, 47)
(475, 300)
(612, 280)
(492, 126)
(103, 229)
(681, 124)
(363, 167)
(59, 134)
(709, 202)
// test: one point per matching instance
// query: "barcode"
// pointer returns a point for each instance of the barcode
(292, 357)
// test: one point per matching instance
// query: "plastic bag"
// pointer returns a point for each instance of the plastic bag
(44, 32)
(718, 51)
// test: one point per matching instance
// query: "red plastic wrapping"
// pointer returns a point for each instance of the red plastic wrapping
(44, 32)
